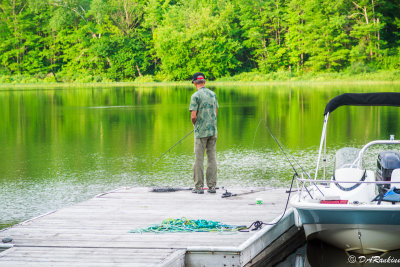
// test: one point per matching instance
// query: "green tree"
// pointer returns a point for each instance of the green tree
(198, 35)
(366, 30)
(13, 25)
(263, 28)
(295, 35)
(326, 39)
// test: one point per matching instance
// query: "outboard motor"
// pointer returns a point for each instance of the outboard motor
(387, 162)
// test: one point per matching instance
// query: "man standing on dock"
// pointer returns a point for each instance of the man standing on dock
(204, 109)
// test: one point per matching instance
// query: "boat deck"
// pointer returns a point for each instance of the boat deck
(96, 232)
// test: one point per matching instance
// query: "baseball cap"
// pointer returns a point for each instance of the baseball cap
(198, 76)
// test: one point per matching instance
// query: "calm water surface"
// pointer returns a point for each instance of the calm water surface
(61, 146)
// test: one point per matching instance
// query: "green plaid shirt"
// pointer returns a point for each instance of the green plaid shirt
(205, 102)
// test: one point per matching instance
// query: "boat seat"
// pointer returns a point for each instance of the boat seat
(395, 178)
(349, 175)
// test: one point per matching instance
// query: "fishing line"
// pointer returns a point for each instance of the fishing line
(255, 133)
(258, 224)
(157, 159)
(282, 147)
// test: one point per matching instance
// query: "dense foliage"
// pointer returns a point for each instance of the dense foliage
(120, 40)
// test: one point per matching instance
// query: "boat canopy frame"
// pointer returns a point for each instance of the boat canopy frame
(363, 99)
(353, 99)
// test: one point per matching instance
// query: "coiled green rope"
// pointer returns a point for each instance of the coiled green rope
(186, 225)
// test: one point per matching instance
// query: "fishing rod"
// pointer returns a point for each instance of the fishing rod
(258, 224)
(290, 162)
(166, 189)
(229, 194)
(282, 147)
(157, 159)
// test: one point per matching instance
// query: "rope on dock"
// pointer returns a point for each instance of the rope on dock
(186, 225)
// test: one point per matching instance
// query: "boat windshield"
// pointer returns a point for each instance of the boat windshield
(345, 157)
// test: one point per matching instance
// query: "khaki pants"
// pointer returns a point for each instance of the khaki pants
(200, 145)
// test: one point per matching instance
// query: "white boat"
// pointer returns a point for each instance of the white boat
(356, 209)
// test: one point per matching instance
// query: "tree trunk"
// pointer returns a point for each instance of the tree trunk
(137, 67)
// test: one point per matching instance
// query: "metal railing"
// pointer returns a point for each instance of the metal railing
(314, 183)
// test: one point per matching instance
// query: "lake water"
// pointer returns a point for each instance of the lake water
(62, 146)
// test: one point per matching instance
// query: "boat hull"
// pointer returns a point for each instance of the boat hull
(363, 231)
(362, 239)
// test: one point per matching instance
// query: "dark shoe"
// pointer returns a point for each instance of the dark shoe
(197, 191)
(212, 190)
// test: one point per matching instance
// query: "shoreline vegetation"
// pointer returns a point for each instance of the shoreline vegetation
(381, 76)
(72, 42)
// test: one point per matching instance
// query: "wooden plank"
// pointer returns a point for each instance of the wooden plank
(86, 255)
(91, 244)
(131, 237)
(24, 263)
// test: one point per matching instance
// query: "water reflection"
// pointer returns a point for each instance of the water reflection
(62, 146)
(316, 253)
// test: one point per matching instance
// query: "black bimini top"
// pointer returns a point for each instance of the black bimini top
(364, 99)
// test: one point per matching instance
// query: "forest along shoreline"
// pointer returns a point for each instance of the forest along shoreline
(316, 83)
(149, 41)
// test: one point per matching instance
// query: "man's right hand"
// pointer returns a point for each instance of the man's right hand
(194, 116)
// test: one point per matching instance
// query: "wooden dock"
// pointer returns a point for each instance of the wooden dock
(96, 232)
